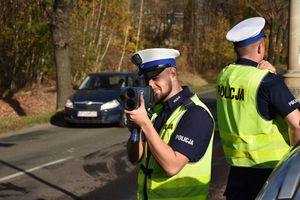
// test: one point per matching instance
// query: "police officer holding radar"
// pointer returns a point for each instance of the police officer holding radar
(255, 110)
(175, 148)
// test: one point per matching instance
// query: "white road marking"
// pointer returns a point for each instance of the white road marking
(33, 169)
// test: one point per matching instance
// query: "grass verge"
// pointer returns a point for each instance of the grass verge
(198, 89)
(15, 123)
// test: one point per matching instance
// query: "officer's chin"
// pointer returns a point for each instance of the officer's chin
(156, 97)
(156, 100)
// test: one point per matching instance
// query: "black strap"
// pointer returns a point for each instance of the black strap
(147, 172)
(188, 103)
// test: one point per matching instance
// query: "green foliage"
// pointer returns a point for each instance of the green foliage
(102, 29)
(215, 47)
(25, 46)
(99, 28)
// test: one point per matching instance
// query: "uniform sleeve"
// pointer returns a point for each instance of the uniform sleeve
(275, 97)
(193, 133)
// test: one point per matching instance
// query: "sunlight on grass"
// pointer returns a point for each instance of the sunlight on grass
(14, 123)
(198, 89)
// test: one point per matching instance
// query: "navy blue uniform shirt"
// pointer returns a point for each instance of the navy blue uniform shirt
(273, 95)
(194, 130)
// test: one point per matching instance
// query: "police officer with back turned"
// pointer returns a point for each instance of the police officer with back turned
(176, 145)
(255, 110)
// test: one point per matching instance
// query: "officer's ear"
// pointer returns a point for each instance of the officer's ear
(260, 48)
(173, 74)
(173, 71)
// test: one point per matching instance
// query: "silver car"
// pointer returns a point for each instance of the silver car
(284, 182)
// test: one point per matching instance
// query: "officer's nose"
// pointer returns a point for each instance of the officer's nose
(150, 82)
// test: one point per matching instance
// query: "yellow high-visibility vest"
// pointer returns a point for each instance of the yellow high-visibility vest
(247, 138)
(191, 183)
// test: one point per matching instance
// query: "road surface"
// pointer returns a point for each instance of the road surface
(85, 163)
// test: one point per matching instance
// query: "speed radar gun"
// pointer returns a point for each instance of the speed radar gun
(130, 100)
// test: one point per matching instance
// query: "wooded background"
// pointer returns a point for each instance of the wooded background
(63, 40)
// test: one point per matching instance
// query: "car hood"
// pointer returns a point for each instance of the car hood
(95, 95)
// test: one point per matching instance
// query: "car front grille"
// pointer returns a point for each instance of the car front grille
(86, 106)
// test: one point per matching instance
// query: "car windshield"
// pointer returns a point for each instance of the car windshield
(106, 81)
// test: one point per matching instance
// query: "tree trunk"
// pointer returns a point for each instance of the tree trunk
(63, 75)
(96, 31)
(192, 36)
(139, 26)
(124, 48)
(100, 37)
(99, 63)
(61, 35)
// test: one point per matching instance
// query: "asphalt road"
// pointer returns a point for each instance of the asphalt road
(88, 163)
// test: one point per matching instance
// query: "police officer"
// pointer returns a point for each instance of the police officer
(176, 149)
(254, 109)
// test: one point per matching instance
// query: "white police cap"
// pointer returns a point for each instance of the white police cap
(155, 58)
(247, 31)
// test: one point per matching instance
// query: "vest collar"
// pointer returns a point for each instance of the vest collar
(245, 61)
(175, 101)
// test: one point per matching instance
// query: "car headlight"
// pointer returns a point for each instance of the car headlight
(69, 104)
(110, 105)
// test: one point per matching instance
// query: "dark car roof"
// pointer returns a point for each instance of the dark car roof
(101, 94)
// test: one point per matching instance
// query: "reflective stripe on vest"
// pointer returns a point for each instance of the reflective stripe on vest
(247, 138)
(192, 182)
